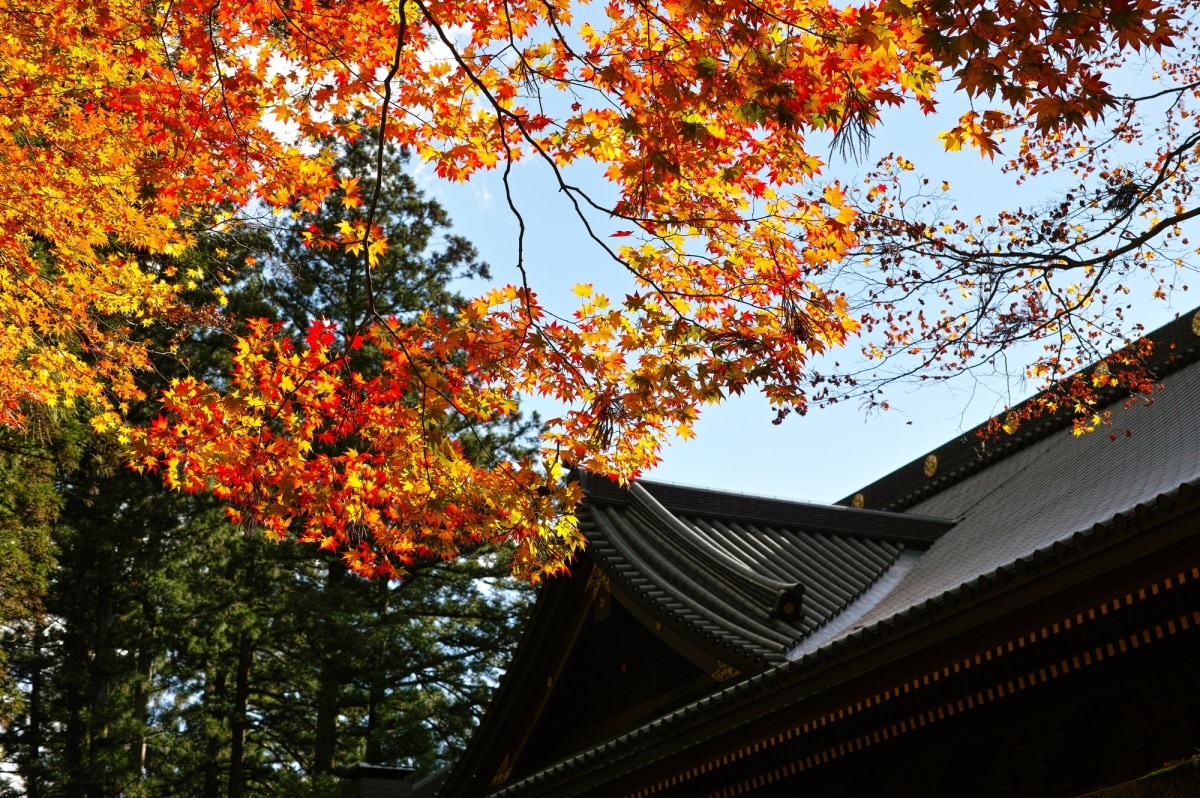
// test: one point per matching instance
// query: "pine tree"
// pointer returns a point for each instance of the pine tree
(381, 683)
(179, 654)
(29, 506)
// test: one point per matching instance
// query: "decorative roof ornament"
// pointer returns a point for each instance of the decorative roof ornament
(724, 672)
(597, 583)
(503, 772)
(1012, 422)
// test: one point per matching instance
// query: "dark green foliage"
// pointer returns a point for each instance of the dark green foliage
(30, 503)
(168, 653)
(304, 283)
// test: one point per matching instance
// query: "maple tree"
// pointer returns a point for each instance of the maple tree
(129, 126)
(133, 614)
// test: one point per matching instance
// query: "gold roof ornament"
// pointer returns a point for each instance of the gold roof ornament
(724, 671)
(598, 583)
(1012, 422)
(503, 772)
(931, 465)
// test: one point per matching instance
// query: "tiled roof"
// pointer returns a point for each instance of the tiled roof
(1031, 505)
(701, 719)
(1176, 348)
(1044, 487)
(751, 587)
(1047, 492)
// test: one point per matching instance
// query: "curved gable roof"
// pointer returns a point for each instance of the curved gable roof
(1042, 507)
(741, 576)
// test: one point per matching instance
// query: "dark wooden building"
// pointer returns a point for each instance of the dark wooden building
(1012, 617)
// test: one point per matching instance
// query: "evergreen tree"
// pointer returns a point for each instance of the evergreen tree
(30, 503)
(181, 655)
(406, 684)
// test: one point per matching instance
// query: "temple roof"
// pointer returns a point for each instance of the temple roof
(977, 527)
(1046, 488)
(747, 575)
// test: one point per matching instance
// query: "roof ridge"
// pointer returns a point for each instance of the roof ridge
(624, 541)
(782, 597)
(1175, 345)
(819, 518)
(1058, 555)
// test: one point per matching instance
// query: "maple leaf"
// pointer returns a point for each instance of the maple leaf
(350, 196)
(699, 117)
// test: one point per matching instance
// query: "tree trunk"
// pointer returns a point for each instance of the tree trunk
(374, 752)
(100, 679)
(378, 681)
(74, 684)
(327, 686)
(327, 711)
(240, 722)
(141, 712)
(215, 707)
(31, 770)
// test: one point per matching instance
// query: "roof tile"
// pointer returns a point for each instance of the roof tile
(751, 588)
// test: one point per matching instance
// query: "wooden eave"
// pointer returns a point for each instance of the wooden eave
(1039, 599)
(561, 612)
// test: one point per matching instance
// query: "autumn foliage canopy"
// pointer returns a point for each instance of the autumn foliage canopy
(129, 128)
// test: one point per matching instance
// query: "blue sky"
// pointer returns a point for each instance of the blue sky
(823, 456)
